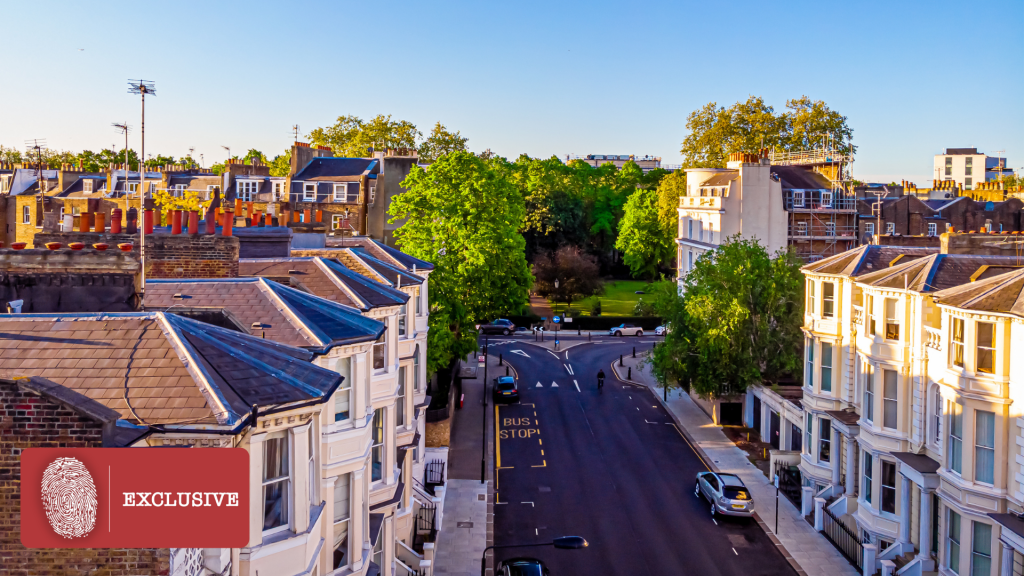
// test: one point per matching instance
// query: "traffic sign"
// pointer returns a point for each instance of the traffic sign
(556, 320)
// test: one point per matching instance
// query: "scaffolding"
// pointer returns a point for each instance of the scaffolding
(822, 222)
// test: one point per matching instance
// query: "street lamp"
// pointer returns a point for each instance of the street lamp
(556, 323)
(483, 428)
(562, 543)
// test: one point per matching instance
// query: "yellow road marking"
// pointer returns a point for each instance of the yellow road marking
(541, 452)
(691, 447)
(539, 441)
(497, 443)
(544, 465)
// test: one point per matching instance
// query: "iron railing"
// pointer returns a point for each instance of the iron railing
(433, 475)
(812, 200)
(425, 527)
(844, 539)
(789, 483)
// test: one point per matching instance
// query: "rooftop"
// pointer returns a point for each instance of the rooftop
(328, 168)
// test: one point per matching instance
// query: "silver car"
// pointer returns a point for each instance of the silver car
(726, 492)
(626, 330)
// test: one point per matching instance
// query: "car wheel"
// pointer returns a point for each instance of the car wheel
(507, 332)
(618, 333)
(639, 332)
(713, 509)
(696, 488)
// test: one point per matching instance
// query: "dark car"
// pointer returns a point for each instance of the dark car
(505, 389)
(499, 326)
(522, 567)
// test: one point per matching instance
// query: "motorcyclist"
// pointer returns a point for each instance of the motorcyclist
(600, 378)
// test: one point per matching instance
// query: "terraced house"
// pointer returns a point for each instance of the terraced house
(908, 431)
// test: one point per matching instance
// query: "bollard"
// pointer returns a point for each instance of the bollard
(629, 373)
(634, 351)
(501, 361)
(620, 359)
(506, 370)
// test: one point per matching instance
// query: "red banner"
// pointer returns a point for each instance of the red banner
(134, 497)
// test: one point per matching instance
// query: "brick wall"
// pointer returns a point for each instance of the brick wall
(191, 256)
(29, 419)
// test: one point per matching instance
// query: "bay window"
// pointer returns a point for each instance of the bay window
(868, 477)
(869, 395)
(981, 550)
(869, 314)
(956, 435)
(402, 313)
(890, 403)
(342, 515)
(953, 542)
(892, 322)
(811, 305)
(984, 446)
(809, 430)
(824, 440)
(809, 376)
(276, 477)
(956, 340)
(380, 352)
(400, 404)
(342, 397)
(937, 417)
(826, 367)
(986, 354)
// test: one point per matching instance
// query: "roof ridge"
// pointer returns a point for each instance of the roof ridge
(189, 357)
(292, 315)
(322, 264)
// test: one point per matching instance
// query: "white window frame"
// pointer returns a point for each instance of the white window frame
(812, 304)
(380, 348)
(937, 417)
(890, 227)
(890, 399)
(933, 229)
(982, 449)
(869, 394)
(690, 233)
(286, 479)
(953, 542)
(869, 228)
(87, 185)
(826, 366)
(956, 347)
(701, 230)
(881, 481)
(798, 198)
(824, 440)
(980, 351)
(809, 355)
(826, 198)
(26, 214)
(377, 443)
(801, 228)
(403, 325)
(211, 189)
(809, 433)
(344, 483)
(977, 554)
(373, 194)
(278, 191)
(132, 187)
(867, 475)
(892, 318)
(343, 366)
(955, 454)
(830, 228)
(400, 419)
(247, 190)
(178, 190)
(309, 191)
(828, 302)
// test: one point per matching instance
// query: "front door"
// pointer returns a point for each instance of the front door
(773, 430)
(757, 415)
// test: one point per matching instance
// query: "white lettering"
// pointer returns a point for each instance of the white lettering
(161, 496)
(129, 498)
(184, 499)
(197, 499)
(218, 497)
(144, 498)
(233, 499)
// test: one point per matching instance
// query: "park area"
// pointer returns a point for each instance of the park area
(618, 299)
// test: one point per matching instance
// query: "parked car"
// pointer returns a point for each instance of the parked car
(522, 567)
(505, 388)
(726, 492)
(499, 326)
(661, 330)
(626, 330)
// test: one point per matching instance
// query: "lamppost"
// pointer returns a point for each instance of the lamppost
(483, 428)
(556, 323)
(562, 543)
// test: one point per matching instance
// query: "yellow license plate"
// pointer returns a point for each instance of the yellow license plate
(506, 393)
(738, 506)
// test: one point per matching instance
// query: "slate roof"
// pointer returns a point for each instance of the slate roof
(796, 178)
(329, 168)
(326, 278)
(919, 462)
(386, 253)
(175, 372)
(721, 178)
(286, 315)
(866, 259)
(1000, 294)
(77, 188)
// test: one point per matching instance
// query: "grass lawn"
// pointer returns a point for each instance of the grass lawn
(618, 299)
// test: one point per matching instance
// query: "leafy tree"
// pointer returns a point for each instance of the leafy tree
(464, 216)
(441, 142)
(577, 275)
(716, 132)
(255, 155)
(188, 201)
(644, 308)
(554, 205)
(645, 242)
(595, 308)
(669, 190)
(737, 322)
(9, 154)
(352, 137)
(281, 165)
(98, 161)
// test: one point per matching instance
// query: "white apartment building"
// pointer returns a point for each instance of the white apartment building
(967, 167)
(719, 203)
(908, 431)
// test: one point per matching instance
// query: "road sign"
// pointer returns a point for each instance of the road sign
(543, 317)
(556, 320)
(568, 320)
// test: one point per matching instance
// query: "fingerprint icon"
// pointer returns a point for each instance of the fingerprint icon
(69, 497)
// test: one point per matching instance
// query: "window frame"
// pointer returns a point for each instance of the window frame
(345, 387)
(955, 444)
(983, 352)
(87, 185)
(798, 198)
(956, 347)
(26, 214)
(812, 303)
(890, 228)
(277, 190)
(308, 187)
(886, 489)
(346, 520)
(933, 229)
(826, 198)
(826, 377)
(824, 440)
(400, 420)
(979, 554)
(828, 301)
(867, 474)
(869, 229)
(890, 401)
(937, 417)
(953, 541)
(980, 449)
(892, 321)
(868, 408)
(809, 433)
(247, 189)
(403, 315)
(377, 439)
(380, 348)
(809, 359)
(286, 480)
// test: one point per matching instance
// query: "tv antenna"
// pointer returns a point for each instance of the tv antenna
(141, 87)
(228, 148)
(124, 128)
(38, 145)
(295, 131)
(877, 209)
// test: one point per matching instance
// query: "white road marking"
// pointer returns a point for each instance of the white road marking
(520, 352)
(553, 354)
(554, 384)
(536, 532)
(713, 520)
(577, 385)
(649, 422)
(530, 503)
(539, 385)
(735, 552)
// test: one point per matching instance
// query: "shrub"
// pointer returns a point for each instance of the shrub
(595, 309)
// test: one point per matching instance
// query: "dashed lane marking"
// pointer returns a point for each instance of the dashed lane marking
(544, 465)
(539, 385)
(735, 552)
(577, 385)
(530, 503)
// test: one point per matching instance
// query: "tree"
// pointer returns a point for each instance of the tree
(554, 206)
(576, 274)
(189, 200)
(254, 155)
(464, 216)
(281, 165)
(716, 132)
(11, 155)
(352, 137)
(441, 142)
(645, 242)
(669, 190)
(737, 322)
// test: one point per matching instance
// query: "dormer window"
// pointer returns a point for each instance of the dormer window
(826, 199)
(347, 192)
(309, 192)
(247, 189)
(278, 191)
(87, 186)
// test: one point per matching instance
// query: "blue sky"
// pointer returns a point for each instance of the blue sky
(536, 77)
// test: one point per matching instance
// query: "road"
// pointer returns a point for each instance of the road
(612, 467)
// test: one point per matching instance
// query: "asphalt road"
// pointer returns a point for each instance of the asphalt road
(609, 466)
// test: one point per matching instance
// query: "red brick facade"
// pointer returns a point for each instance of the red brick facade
(191, 256)
(29, 419)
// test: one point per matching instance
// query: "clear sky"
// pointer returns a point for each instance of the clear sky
(536, 77)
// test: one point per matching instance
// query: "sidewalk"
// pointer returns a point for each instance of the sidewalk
(463, 534)
(797, 540)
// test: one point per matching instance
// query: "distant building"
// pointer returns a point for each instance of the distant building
(646, 163)
(967, 167)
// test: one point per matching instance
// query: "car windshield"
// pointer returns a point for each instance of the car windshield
(506, 385)
(524, 569)
(735, 493)
(731, 480)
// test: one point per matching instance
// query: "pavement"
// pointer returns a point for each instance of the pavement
(463, 534)
(609, 465)
(797, 540)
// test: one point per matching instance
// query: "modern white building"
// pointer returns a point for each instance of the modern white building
(967, 167)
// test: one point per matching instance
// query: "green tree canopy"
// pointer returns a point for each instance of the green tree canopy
(716, 132)
(441, 142)
(281, 165)
(352, 137)
(737, 322)
(645, 242)
(463, 215)
(670, 189)
(576, 273)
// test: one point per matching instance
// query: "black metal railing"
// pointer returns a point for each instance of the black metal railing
(433, 475)
(790, 484)
(844, 539)
(425, 527)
